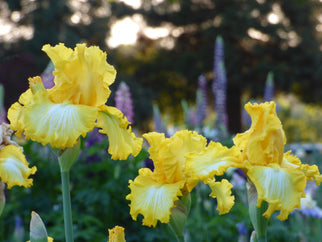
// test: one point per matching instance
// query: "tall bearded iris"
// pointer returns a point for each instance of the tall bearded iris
(75, 105)
(279, 178)
(14, 168)
(154, 193)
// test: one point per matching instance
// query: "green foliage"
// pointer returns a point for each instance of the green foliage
(99, 186)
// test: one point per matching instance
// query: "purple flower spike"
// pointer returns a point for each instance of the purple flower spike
(123, 101)
(201, 111)
(158, 124)
(219, 52)
(220, 97)
(47, 76)
(269, 88)
(219, 86)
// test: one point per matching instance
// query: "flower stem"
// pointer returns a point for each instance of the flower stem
(68, 222)
(66, 158)
(256, 214)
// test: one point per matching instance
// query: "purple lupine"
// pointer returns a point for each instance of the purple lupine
(189, 114)
(123, 101)
(269, 88)
(201, 111)
(158, 123)
(47, 76)
(219, 86)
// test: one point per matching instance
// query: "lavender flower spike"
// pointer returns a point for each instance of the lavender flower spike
(158, 124)
(269, 88)
(219, 86)
(219, 52)
(123, 101)
(201, 111)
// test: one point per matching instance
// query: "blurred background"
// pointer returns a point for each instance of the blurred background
(161, 47)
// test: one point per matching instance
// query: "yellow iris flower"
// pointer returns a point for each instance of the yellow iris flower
(279, 177)
(75, 105)
(14, 168)
(153, 193)
(116, 234)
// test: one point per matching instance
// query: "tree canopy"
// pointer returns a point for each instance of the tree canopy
(259, 35)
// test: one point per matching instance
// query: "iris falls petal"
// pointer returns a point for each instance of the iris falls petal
(282, 188)
(213, 160)
(151, 198)
(14, 168)
(60, 124)
(122, 141)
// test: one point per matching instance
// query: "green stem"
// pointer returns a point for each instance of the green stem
(68, 222)
(256, 213)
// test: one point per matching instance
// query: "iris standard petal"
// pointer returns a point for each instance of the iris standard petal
(151, 198)
(282, 188)
(14, 168)
(213, 160)
(122, 141)
(155, 139)
(264, 142)
(60, 124)
(82, 75)
(222, 191)
(168, 154)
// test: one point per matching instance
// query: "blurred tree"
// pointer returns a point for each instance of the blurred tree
(260, 36)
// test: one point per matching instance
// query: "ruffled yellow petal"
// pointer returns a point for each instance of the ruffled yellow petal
(311, 172)
(60, 125)
(14, 168)
(122, 141)
(290, 160)
(213, 160)
(169, 154)
(15, 118)
(264, 142)
(151, 198)
(222, 191)
(26, 97)
(282, 188)
(82, 75)
(116, 234)
(15, 112)
(155, 140)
